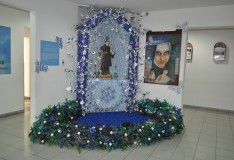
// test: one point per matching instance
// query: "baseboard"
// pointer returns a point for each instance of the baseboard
(208, 108)
(11, 113)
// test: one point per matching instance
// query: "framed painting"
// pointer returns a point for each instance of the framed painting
(162, 57)
(5, 50)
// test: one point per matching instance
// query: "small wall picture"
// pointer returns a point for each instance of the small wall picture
(189, 54)
(49, 53)
(219, 51)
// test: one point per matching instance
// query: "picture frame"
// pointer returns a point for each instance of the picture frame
(189, 53)
(5, 50)
(162, 57)
(219, 53)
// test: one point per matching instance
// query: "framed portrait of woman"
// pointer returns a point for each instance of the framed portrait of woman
(162, 57)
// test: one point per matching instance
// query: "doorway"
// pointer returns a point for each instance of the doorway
(26, 69)
(209, 83)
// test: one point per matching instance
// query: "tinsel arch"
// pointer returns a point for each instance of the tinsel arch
(83, 52)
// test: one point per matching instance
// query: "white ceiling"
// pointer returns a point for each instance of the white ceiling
(153, 5)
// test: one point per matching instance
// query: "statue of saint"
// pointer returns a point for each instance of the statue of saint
(106, 55)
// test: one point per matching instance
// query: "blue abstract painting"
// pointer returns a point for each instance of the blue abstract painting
(5, 50)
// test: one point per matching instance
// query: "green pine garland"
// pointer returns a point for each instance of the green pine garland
(57, 126)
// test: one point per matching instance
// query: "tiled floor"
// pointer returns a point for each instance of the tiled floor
(209, 135)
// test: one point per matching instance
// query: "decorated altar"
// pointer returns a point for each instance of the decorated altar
(106, 114)
(107, 95)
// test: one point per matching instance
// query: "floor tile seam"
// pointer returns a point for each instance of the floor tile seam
(225, 149)
(176, 147)
(9, 120)
(111, 155)
(22, 149)
(199, 135)
(9, 134)
(103, 155)
(19, 137)
(226, 140)
(225, 136)
(11, 143)
(224, 156)
(130, 153)
(148, 154)
(224, 128)
(190, 120)
(232, 129)
(183, 135)
(5, 144)
(25, 156)
(11, 153)
(46, 158)
(193, 113)
(154, 149)
(210, 150)
(151, 155)
(216, 136)
(36, 154)
(207, 146)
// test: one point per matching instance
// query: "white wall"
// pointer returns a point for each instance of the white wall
(204, 17)
(12, 91)
(208, 83)
(48, 19)
(51, 18)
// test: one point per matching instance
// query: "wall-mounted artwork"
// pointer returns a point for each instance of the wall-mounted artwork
(49, 53)
(5, 50)
(219, 51)
(189, 53)
(162, 57)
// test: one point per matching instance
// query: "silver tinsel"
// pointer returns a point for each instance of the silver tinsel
(85, 31)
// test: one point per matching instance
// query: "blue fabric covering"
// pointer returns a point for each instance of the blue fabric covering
(106, 95)
(112, 118)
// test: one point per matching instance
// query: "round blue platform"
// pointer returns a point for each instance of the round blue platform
(112, 118)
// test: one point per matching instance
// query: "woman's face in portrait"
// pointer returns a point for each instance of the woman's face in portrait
(162, 54)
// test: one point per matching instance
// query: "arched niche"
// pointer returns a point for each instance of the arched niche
(124, 41)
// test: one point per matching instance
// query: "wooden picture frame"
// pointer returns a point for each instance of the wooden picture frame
(162, 57)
